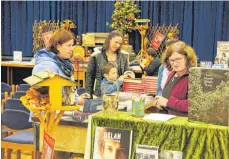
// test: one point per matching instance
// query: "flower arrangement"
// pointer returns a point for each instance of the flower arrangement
(35, 98)
(124, 16)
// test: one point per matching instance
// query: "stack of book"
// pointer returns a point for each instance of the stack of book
(149, 84)
(133, 85)
(145, 85)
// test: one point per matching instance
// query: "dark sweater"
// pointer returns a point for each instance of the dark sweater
(152, 69)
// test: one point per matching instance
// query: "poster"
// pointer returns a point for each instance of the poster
(157, 40)
(48, 146)
(46, 36)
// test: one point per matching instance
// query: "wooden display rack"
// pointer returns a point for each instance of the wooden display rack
(55, 82)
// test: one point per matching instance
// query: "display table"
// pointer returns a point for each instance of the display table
(69, 134)
(11, 64)
(194, 139)
(79, 74)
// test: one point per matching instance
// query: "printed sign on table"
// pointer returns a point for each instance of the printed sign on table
(48, 146)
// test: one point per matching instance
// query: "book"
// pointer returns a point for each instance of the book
(222, 56)
(168, 154)
(157, 40)
(209, 95)
(112, 143)
(146, 152)
(48, 146)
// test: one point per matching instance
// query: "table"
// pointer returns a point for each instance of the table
(69, 134)
(78, 75)
(11, 64)
(194, 139)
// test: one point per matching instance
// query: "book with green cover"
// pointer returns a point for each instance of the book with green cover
(208, 95)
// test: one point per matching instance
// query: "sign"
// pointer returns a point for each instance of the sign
(46, 37)
(48, 146)
(17, 56)
(157, 40)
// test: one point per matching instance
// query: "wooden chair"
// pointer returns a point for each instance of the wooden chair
(15, 118)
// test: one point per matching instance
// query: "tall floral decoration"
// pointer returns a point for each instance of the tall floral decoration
(124, 15)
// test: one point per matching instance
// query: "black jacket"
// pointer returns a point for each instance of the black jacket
(152, 69)
(94, 75)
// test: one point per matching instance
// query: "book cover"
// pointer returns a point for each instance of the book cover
(222, 56)
(167, 154)
(111, 143)
(157, 40)
(46, 37)
(208, 95)
(146, 152)
(48, 146)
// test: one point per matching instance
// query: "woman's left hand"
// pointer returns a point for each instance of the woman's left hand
(161, 101)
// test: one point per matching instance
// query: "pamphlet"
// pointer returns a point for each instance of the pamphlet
(158, 117)
(146, 152)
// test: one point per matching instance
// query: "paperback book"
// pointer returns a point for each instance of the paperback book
(111, 143)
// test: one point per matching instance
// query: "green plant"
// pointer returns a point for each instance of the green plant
(124, 16)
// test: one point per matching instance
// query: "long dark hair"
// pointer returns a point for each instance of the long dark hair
(112, 34)
(59, 37)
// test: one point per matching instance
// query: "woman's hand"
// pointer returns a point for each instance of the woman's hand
(161, 101)
(142, 65)
(80, 101)
(121, 78)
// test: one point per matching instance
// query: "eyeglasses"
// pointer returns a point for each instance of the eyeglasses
(177, 60)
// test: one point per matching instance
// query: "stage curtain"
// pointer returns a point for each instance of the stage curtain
(201, 24)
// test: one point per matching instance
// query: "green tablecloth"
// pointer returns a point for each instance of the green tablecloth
(196, 140)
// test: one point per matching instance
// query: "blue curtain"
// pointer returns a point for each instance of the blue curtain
(201, 24)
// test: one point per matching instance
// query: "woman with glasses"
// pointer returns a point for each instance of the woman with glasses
(174, 99)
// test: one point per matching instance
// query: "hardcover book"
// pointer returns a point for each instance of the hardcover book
(208, 95)
(146, 152)
(111, 143)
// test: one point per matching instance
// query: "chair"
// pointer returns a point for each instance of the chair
(22, 87)
(16, 119)
(18, 94)
(6, 88)
(15, 104)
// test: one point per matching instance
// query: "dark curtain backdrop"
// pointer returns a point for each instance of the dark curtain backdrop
(201, 24)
